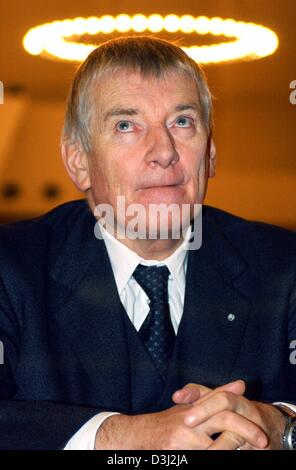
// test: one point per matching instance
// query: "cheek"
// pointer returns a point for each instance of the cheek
(101, 177)
(193, 159)
(114, 175)
(123, 164)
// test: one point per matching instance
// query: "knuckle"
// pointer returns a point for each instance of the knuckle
(227, 418)
(226, 399)
(204, 410)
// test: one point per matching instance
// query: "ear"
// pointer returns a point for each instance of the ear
(76, 162)
(212, 156)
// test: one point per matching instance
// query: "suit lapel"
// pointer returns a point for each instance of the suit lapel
(87, 307)
(215, 313)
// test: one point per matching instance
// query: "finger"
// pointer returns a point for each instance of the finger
(236, 424)
(200, 441)
(190, 393)
(237, 388)
(193, 392)
(215, 403)
(186, 438)
(227, 441)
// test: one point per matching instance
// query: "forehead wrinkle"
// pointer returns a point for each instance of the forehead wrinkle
(120, 111)
(184, 106)
(122, 98)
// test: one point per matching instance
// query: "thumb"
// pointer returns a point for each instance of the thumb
(190, 393)
(193, 392)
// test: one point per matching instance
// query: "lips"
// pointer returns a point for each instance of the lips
(160, 184)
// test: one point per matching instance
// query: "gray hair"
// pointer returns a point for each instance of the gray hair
(149, 55)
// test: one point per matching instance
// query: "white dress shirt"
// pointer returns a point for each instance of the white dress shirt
(136, 303)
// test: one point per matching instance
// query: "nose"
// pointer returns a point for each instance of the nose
(161, 148)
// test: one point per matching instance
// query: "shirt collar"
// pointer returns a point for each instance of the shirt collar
(124, 260)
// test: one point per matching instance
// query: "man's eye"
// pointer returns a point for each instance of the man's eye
(124, 126)
(184, 122)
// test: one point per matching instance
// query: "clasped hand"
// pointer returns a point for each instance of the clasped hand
(198, 415)
(243, 424)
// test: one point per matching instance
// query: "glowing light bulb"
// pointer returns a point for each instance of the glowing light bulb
(93, 26)
(79, 26)
(202, 25)
(216, 26)
(187, 24)
(155, 23)
(171, 23)
(123, 23)
(107, 24)
(139, 23)
(31, 42)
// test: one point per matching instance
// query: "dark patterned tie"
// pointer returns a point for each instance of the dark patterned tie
(157, 332)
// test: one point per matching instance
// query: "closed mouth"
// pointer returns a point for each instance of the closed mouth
(160, 186)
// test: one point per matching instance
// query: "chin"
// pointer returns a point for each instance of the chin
(161, 195)
(159, 225)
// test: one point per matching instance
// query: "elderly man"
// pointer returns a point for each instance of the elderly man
(128, 341)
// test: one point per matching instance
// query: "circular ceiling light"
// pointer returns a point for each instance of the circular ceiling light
(250, 41)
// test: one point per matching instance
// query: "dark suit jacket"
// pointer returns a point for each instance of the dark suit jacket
(62, 322)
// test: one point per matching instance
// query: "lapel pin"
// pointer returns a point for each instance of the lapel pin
(231, 317)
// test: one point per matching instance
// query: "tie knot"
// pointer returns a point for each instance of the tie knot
(154, 281)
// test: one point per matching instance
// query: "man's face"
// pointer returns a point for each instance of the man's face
(150, 143)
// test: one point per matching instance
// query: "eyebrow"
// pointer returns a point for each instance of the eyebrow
(113, 112)
(120, 112)
(185, 106)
